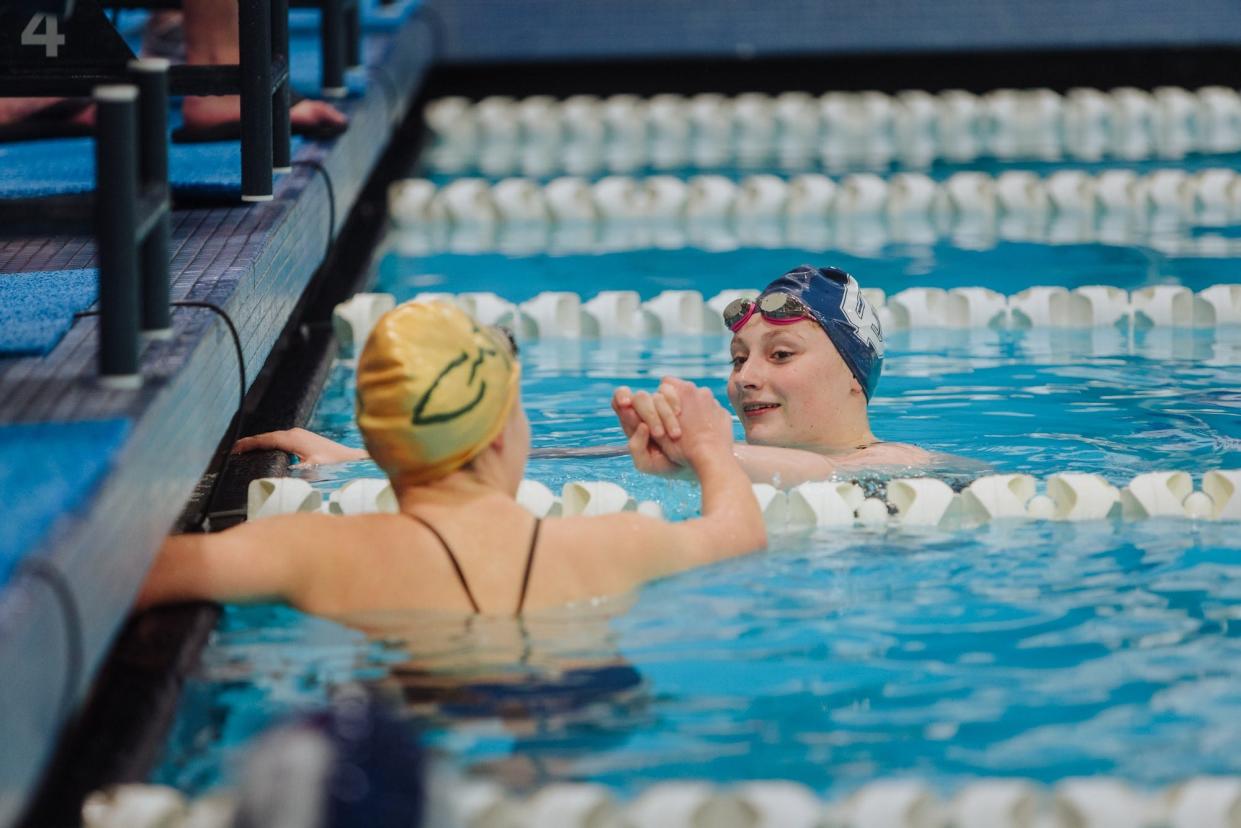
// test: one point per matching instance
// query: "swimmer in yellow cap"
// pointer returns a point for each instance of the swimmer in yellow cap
(439, 408)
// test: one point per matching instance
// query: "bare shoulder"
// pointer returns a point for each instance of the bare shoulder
(889, 454)
(909, 456)
(605, 553)
(310, 532)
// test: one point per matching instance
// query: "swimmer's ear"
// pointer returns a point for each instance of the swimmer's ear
(855, 387)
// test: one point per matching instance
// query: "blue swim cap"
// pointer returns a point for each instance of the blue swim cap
(835, 300)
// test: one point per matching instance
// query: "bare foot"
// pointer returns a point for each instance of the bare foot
(15, 110)
(200, 112)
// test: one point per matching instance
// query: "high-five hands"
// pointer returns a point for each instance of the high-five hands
(665, 427)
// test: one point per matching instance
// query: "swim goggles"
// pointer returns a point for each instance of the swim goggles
(505, 336)
(776, 307)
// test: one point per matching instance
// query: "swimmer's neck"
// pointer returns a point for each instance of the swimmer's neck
(453, 489)
(840, 441)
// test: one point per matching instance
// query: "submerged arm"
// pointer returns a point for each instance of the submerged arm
(785, 466)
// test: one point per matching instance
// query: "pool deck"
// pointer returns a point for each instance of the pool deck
(253, 261)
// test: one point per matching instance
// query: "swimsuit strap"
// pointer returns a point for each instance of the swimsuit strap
(451, 557)
(525, 578)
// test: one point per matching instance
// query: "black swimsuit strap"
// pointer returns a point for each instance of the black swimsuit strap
(525, 578)
(453, 558)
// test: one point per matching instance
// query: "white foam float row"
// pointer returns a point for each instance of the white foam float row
(620, 212)
(922, 501)
(270, 496)
(562, 314)
(1084, 802)
(1070, 496)
(587, 134)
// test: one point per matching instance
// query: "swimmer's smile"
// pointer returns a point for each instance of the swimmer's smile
(758, 409)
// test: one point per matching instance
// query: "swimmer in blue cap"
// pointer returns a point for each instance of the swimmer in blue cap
(801, 396)
(806, 353)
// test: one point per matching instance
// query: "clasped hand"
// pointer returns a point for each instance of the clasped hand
(672, 428)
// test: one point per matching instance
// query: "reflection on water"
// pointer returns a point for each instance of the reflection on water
(1035, 649)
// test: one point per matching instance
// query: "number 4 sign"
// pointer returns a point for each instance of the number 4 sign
(50, 38)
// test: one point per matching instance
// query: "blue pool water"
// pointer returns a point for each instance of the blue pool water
(1036, 649)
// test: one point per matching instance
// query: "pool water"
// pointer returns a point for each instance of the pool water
(1032, 649)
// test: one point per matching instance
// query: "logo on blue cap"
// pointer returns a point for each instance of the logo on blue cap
(835, 300)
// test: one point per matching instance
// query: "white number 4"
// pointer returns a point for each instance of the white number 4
(51, 39)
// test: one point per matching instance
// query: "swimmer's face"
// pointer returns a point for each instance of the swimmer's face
(788, 385)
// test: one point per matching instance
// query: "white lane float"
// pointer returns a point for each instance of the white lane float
(570, 200)
(1100, 802)
(595, 497)
(873, 512)
(914, 308)
(754, 128)
(582, 134)
(537, 499)
(362, 496)
(1133, 123)
(555, 314)
(975, 307)
(1090, 306)
(996, 803)
(1224, 489)
(893, 804)
(211, 811)
(997, 496)
(1041, 507)
(669, 131)
(797, 129)
(571, 804)
(1218, 119)
(914, 133)
(777, 804)
(520, 201)
(921, 501)
(823, 504)
(410, 202)
(1205, 802)
(1079, 496)
(1037, 307)
(620, 313)
(1225, 301)
(354, 319)
(1156, 494)
(1175, 114)
(959, 124)
(1171, 305)
(680, 312)
(135, 806)
(271, 496)
(670, 805)
(711, 120)
(774, 504)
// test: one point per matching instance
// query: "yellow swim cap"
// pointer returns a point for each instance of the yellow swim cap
(434, 389)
